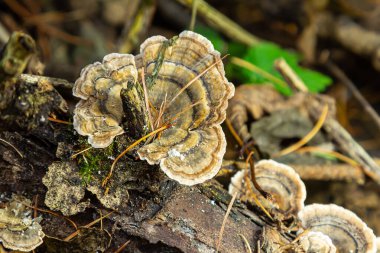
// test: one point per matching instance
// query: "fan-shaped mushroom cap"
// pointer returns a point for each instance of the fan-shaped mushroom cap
(316, 242)
(192, 150)
(281, 181)
(18, 231)
(346, 230)
(187, 57)
(99, 113)
(190, 157)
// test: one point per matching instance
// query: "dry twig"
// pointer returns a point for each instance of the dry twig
(104, 183)
(289, 75)
(248, 65)
(222, 23)
(339, 74)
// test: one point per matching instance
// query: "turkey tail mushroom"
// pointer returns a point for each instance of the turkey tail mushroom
(346, 230)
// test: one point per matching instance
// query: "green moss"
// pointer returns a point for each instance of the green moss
(95, 161)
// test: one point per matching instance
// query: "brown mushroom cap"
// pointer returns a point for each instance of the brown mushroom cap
(192, 150)
(316, 242)
(99, 113)
(189, 56)
(347, 231)
(190, 157)
(281, 181)
(18, 231)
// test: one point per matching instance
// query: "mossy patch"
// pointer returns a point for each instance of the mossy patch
(95, 161)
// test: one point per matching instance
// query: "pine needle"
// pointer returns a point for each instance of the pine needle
(194, 9)
(122, 246)
(253, 196)
(52, 213)
(71, 236)
(220, 237)
(307, 137)
(183, 111)
(11, 145)
(131, 147)
(335, 154)
(195, 78)
(246, 243)
(80, 152)
(233, 132)
(248, 65)
(59, 121)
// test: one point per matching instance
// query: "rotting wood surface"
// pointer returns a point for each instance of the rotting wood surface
(191, 222)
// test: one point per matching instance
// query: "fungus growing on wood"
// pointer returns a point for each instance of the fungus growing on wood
(316, 242)
(346, 230)
(192, 87)
(18, 231)
(186, 88)
(281, 181)
(99, 112)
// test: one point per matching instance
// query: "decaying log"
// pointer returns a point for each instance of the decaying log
(191, 221)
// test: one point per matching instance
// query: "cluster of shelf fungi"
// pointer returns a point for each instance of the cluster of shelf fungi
(177, 89)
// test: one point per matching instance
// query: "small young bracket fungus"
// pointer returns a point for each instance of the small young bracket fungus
(346, 230)
(237, 184)
(98, 115)
(192, 86)
(18, 231)
(281, 181)
(316, 242)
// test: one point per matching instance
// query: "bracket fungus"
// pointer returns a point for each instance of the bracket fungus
(99, 112)
(18, 231)
(346, 230)
(316, 242)
(192, 79)
(186, 88)
(281, 181)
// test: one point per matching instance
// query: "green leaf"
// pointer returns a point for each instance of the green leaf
(263, 56)
(315, 81)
